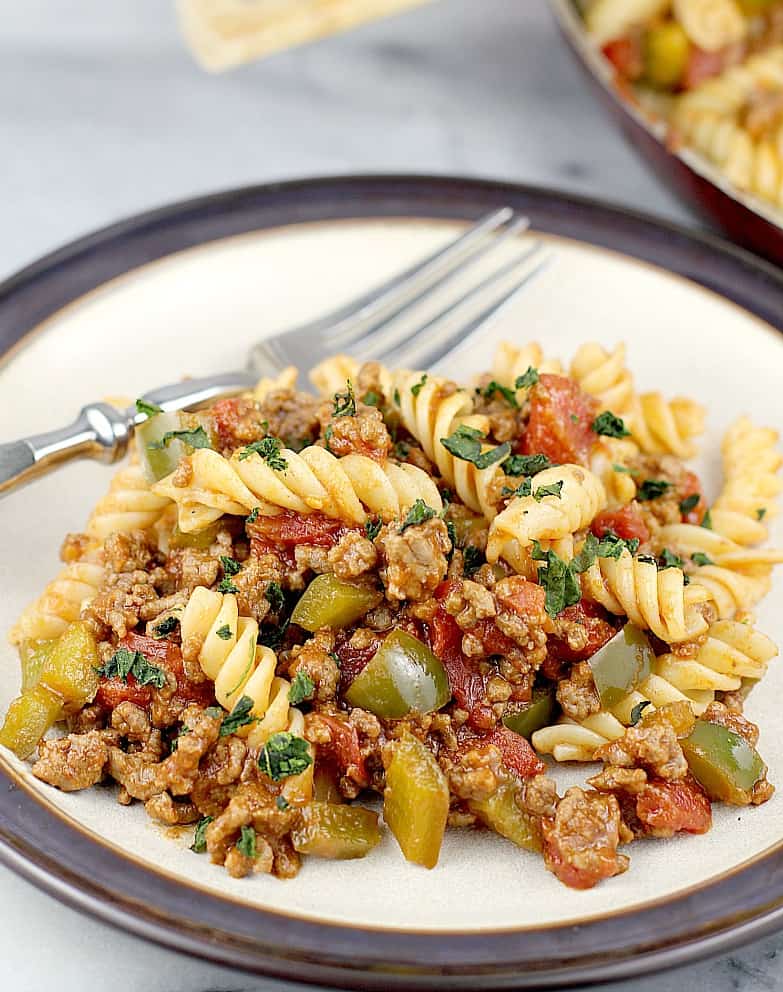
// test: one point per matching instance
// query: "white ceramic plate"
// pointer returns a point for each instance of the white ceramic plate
(199, 310)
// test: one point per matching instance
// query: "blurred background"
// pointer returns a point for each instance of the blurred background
(104, 111)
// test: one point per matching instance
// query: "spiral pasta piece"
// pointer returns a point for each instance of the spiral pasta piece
(129, 505)
(286, 379)
(432, 411)
(312, 480)
(609, 457)
(604, 375)
(654, 600)
(751, 462)
(688, 539)
(730, 591)
(547, 518)
(511, 361)
(715, 120)
(711, 24)
(661, 426)
(330, 375)
(61, 602)
(610, 19)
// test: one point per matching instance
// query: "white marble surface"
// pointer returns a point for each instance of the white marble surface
(103, 113)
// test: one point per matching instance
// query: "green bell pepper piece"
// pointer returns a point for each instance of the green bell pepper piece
(502, 814)
(338, 832)
(723, 762)
(621, 664)
(330, 602)
(667, 50)
(416, 801)
(70, 667)
(403, 676)
(533, 716)
(28, 718)
(33, 655)
(159, 462)
(202, 539)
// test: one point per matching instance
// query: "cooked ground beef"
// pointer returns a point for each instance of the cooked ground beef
(477, 773)
(413, 562)
(352, 556)
(164, 809)
(292, 416)
(362, 434)
(654, 747)
(315, 659)
(76, 761)
(581, 841)
(577, 694)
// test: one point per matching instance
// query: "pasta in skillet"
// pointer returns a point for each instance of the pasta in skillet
(419, 589)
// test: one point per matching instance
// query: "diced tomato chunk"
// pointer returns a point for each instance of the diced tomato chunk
(522, 597)
(560, 423)
(290, 528)
(666, 808)
(235, 422)
(627, 56)
(702, 66)
(113, 691)
(690, 485)
(516, 751)
(577, 871)
(627, 523)
(597, 629)
(345, 749)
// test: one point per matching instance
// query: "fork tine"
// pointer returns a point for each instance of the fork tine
(432, 349)
(347, 323)
(456, 257)
(385, 335)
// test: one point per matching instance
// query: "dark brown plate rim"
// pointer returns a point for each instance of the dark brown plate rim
(63, 860)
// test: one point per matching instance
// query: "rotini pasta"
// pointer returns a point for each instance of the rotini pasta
(61, 602)
(311, 480)
(604, 375)
(284, 380)
(729, 590)
(512, 361)
(575, 497)
(331, 375)
(654, 600)
(129, 505)
(688, 540)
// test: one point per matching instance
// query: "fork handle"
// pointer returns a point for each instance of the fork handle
(100, 431)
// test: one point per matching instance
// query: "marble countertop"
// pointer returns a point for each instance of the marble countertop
(104, 114)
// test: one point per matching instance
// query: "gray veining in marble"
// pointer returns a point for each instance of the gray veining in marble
(103, 113)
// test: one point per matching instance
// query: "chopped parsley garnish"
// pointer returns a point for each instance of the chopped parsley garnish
(558, 579)
(253, 515)
(689, 503)
(335, 658)
(527, 379)
(150, 409)
(224, 632)
(624, 469)
(525, 464)
(608, 546)
(419, 513)
(196, 438)
(199, 844)
(465, 444)
(284, 754)
(648, 559)
(275, 596)
(761, 513)
(371, 398)
(214, 712)
(165, 627)
(345, 403)
(706, 521)
(268, 449)
(653, 489)
(238, 717)
(226, 586)
(372, 528)
(670, 560)
(247, 842)
(124, 663)
(401, 449)
(397, 397)
(610, 425)
(273, 636)
(417, 388)
(230, 565)
(699, 558)
(636, 712)
(473, 559)
(452, 532)
(507, 394)
(282, 803)
(553, 489)
(574, 418)
(523, 489)
(175, 743)
(302, 687)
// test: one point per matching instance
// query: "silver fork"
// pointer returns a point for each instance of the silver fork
(367, 328)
